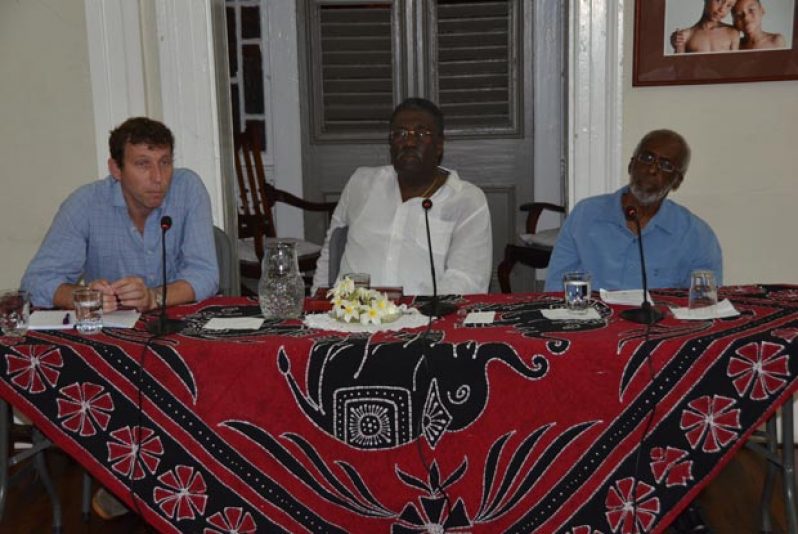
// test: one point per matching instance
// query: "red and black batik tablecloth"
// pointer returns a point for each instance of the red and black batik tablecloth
(525, 425)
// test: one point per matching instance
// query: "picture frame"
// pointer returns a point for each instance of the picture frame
(657, 63)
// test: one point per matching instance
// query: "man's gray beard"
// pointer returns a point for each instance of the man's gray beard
(647, 199)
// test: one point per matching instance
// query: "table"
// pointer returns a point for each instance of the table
(523, 425)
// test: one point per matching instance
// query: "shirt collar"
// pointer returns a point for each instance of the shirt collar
(664, 219)
(117, 197)
(452, 182)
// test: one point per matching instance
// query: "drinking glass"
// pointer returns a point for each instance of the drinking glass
(576, 285)
(88, 310)
(14, 312)
(703, 289)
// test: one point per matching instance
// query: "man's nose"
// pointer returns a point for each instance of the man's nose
(412, 139)
(157, 174)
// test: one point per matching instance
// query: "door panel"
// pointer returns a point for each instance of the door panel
(502, 166)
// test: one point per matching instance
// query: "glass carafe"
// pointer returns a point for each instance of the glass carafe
(281, 291)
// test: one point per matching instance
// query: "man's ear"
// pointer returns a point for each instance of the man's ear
(677, 181)
(114, 169)
(629, 167)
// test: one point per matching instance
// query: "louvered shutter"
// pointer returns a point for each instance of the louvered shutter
(474, 68)
(353, 70)
(468, 52)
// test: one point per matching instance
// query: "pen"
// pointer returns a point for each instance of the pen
(66, 319)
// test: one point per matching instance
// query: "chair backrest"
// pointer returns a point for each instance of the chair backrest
(335, 252)
(257, 196)
(254, 207)
(224, 255)
(534, 209)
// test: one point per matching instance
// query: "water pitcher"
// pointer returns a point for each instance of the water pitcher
(281, 290)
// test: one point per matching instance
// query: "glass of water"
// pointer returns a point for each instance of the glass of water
(703, 289)
(14, 312)
(576, 285)
(88, 310)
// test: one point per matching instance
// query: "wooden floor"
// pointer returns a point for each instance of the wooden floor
(729, 504)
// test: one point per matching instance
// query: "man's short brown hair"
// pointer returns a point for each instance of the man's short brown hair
(136, 131)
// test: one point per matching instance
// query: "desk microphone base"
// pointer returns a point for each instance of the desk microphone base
(436, 308)
(644, 315)
(163, 326)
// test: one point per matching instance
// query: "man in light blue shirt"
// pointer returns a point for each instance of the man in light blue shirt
(108, 233)
(597, 237)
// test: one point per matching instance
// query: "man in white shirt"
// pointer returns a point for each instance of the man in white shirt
(382, 208)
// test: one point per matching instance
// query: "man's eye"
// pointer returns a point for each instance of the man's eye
(666, 165)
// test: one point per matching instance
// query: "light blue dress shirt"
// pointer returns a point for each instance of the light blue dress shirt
(595, 238)
(92, 236)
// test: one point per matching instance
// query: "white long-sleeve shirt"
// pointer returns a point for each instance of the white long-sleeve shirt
(387, 237)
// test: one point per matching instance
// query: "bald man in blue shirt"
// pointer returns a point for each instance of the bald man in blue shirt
(598, 238)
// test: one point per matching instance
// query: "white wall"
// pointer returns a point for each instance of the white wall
(743, 178)
(46, 133)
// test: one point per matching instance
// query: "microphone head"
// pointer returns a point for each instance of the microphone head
(630, 212)
(166, 222)
(426, 204)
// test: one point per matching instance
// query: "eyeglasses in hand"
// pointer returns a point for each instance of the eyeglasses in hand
(665, 165)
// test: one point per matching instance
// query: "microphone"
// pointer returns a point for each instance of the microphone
(164, 325)
(646, 313)
(433, 308)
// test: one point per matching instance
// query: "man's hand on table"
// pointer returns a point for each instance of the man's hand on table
(109, 296)
(131, 292)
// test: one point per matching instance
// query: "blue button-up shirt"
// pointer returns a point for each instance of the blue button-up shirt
(595, 238)
(92, 236)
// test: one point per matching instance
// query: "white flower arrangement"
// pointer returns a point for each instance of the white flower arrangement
(359, 304)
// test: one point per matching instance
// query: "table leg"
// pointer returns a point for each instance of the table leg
(771, 468)
(5, 416)
(788, 465)
(40, 465)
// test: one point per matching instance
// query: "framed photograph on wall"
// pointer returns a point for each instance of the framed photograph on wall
(680, 42)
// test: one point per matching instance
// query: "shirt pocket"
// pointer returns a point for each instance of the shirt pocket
(440, 235)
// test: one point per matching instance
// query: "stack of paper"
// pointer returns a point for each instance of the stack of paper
(64, 320)
(627, 297)
(720, 310)
(563, 314)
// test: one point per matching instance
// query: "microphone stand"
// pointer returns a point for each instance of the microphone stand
(646, 313)
(163, 325)
(433, 308)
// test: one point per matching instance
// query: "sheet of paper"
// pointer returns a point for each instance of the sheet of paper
(52, 320)
(234, 323)
(720, 310)
(121, 319)
(486, 317)
(626, 297)
(563, 314)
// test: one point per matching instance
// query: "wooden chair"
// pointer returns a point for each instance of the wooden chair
(257, 197)
(535, 247)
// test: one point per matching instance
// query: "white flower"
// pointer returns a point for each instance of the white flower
(351, 311)
(371, 314)
(350, 303)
